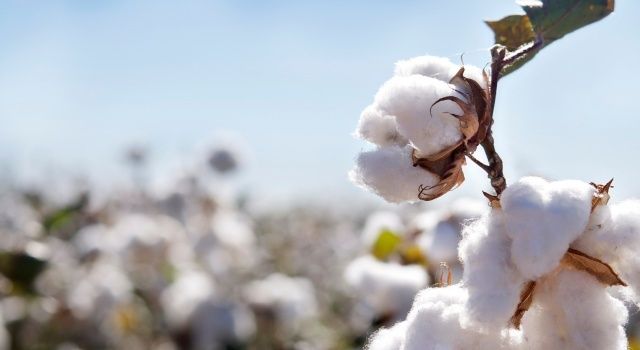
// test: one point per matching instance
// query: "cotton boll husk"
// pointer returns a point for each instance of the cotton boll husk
(493, 282)
(543, 218)
(378, 128)
(411, 100)
(389, 172)
(389, 288)
(435, 323)
(378, 222)
(572, 310)
(388, 338)
(613, 236)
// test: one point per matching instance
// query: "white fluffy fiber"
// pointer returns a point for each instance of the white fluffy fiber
(386, 287)
(403, 111)
(389, 172)
(292, 299)
(543, 218)
(525, 240)
(378, 222)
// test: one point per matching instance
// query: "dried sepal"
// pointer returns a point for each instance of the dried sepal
(526, 299)
(449, 170)
(494, 201)
(597, 268)
(445, 276)
(601, 196)
(475, 122)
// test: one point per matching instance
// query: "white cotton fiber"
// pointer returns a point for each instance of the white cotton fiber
(441, 243)
(378, 128)
(386, 287)
(411, 100)
(613, 236)
(543, 218)
(389, 172)
(435, 323)
(493, 282)
(388, 338)
(572, 310)
(440, 68)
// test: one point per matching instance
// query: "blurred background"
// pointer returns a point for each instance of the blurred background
(173, 174)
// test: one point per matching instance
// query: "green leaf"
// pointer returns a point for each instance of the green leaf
(385, 245)
(63, 216)
(553, 19)
(513, 32)
(547, 20)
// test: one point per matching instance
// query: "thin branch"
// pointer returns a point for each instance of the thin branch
(482, 166)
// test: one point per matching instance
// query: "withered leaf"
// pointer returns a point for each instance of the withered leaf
(595, 267)
(526, 299)
(512, 31)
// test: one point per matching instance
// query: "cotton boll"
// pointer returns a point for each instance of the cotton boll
(296, 304)
(411, 100)
(181, 300)
(543, 218)
(435, 323)
(233, 230)
(389, 172)
(388, 338)
(379, 129)
(441, 244)
(388, 288)
(613, 236)
(572, 310)
(440, 68)
(493, 282)
(378, 222)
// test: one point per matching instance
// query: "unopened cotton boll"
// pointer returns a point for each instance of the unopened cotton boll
(386, 287)
(543, 218)
(378, 222)
(411, 100)
(390, 173)
(493, 282)
(378, 128)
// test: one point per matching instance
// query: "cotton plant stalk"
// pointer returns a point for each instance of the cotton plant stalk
(547, 267)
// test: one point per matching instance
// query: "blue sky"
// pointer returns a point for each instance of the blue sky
(80, 80)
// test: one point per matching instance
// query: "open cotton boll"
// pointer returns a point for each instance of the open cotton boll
(389, 288)
(572, 310)
(411, 100)
(292, 299)
(378, 128)
(435, 323)
(440, 68)
(233, 229)
(389, 172)
(441, 244)
(493, 282)
(378, 222)
(181, 300)
(613, 236)
(388, 338)
(543, 218)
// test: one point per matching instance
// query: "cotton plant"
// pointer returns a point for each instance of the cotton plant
(552, 263)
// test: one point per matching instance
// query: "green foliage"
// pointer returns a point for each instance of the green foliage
(22, 269)
(546, 21)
